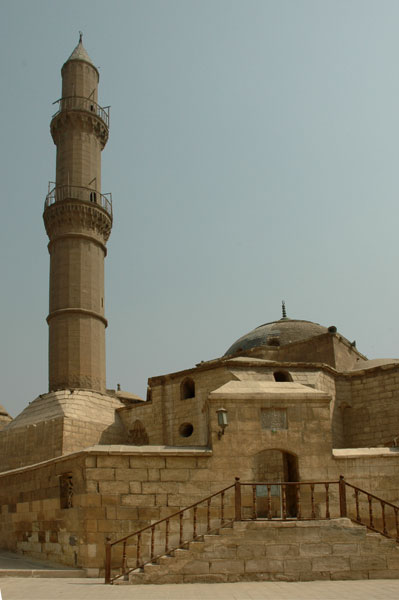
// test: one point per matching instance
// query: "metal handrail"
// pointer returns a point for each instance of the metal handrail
(369, 522)
(60, 193)
(82, 103)
(140, 562)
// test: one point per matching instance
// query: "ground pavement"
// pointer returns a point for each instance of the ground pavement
(56, 585)
(13, 588)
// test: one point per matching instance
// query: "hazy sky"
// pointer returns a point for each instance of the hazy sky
(253, 156)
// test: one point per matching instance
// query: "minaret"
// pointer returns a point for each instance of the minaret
(78, 221)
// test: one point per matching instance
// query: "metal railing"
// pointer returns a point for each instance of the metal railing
(277, 501)
(373, 512)
(86, 104)
(60, 193)
(291, 500)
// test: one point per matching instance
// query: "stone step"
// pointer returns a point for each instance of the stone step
(256, 551)
(45, 573)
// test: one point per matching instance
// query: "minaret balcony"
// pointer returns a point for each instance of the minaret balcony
(60, 193)
(83, 104)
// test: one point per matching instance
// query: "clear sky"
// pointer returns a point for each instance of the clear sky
(253, 156)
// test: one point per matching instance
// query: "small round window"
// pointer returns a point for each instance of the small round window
(186, 429)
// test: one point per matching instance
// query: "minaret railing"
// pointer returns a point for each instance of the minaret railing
(60, 193)
(86, 104)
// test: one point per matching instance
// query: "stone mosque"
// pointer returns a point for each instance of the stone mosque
(290, 440)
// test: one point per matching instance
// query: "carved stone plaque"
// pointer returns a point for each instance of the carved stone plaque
(274, 418)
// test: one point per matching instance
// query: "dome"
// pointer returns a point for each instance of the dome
(277, 333)
(4, 417)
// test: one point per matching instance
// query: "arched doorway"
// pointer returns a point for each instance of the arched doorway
(274, 466)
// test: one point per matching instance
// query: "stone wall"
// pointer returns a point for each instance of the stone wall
(32, 520)
(118, 490)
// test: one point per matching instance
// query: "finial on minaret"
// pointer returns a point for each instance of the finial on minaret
(80, 37)
(283, 309)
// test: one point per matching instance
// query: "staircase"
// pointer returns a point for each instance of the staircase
(278, 551)
(316, 530)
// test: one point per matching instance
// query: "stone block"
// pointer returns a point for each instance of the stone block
(123, 474)
(91, 525)
(220, 552)
(368, 563)
(263, 565)
(93, 512)
(138, 475)
(345, 549)
(108, 526)
(154, 474)
(206, 578)
(110, 512)
(145, 513)
(23, 507)
(138, 500)
(314, 576)
(196, 567)
(282, 550)
(249, 551)
(92, 486)
(110, 499)
(159, 487)
(152, 462)
(161, 499)
(135, 487)
(349, 575)
(89, 499)
(116, 460)
(126, 512)
(175, 475)
(314, 549)
(393, 559)
(226, 566)
(297, 565)
(386, 574)
(336, 534)
(114, 487)
(181, 462)
(105, 474)
(331, 563)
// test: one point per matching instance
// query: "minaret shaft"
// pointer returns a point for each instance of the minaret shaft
(78, 221)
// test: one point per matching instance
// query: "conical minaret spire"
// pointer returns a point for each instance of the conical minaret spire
(78, 221)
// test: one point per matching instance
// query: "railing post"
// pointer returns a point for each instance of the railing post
(237, 495)
(342, 496)
(108, 549)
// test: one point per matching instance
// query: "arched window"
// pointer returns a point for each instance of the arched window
(282, 376)
(187, 389)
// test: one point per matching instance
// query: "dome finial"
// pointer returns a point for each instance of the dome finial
(283, 309)
(80, 37)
